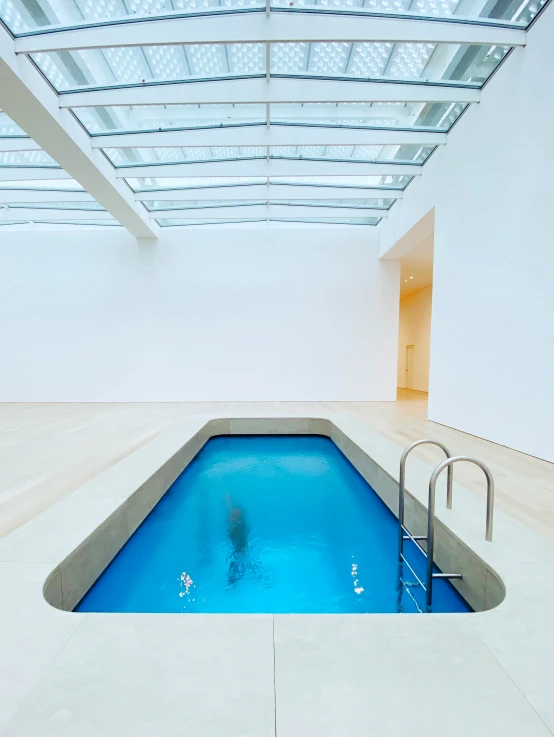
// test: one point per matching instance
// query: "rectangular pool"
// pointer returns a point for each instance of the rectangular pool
(266, 524)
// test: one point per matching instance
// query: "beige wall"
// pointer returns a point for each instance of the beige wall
(415, 329)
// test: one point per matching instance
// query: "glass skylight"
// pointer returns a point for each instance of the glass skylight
(144, 184)
(137, 65)
(438, 116)
(27, 15)
(354, 204)
(23, 16)
(104, 223)
(8, 128)
(54, 205)
(27, 158)
(62, 185)
(153, 205)
(407, 154)
(330, 221)
(388, 182)
(171, 222)
(516, 13)
(176, 155)
(142, 118)
(129, 66)
(421, 62)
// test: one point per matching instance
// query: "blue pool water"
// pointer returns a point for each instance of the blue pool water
(281, 524)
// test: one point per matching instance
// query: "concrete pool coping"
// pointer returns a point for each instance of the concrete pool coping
(258, 675)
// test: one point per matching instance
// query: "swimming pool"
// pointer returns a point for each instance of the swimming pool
(266, 524)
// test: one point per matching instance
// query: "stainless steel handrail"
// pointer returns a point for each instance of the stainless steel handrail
(401, 489)
(448, 463)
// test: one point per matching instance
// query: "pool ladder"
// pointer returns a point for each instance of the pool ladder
(403, 532)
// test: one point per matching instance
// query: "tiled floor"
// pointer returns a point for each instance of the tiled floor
(48, 450)
(106, 675)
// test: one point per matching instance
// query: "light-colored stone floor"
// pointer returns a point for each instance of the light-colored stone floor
(49, 450)
(75, 674)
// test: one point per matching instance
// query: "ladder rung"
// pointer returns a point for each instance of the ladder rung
(414, 537)
(447, 575)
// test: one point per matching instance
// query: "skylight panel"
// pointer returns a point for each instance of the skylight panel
(512, 13)
(144, 184)
(177, 155)
(57, 205)
(385, 60)
(150, 118)
(330, 221)
(153, 205)
(412, 154)
(394, 115)
(27, 158)
(127, 66)
(22, 16)
(169, 222)
(65, 185)
(387, 182)
(353, 203)
(8, 128)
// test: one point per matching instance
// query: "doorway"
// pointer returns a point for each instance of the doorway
(409, 380)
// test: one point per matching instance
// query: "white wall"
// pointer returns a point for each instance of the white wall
(415, 329)
(221, 314)
(492, 352)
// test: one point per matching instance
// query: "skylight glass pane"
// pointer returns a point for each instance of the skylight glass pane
(55, 205)
(63, 185)
(144, 184)
(181, 155)
(153, 205)
(170, 222)
(27, 158)
(138, 65)
(437, 116)
(330, 221)
(142, 118)
(355, 203)
(8, 127)
(511, 12)
(104, 223)
(410, 154)
(388, 182)
(415, 62)
(24, 15)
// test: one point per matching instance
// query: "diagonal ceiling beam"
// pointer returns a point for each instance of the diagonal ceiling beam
(273, 91)
(261, 135)
(272, 28)
(271, 168)
(30, 102)
(264, 192)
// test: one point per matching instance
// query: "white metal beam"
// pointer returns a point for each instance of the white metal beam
(263, 192)
(261, 135)
(31, 103)
(274, 91)
(42, 213)
(18, 144)
(268, 211)
(32, 195)
(264, 168)
(277, 27)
